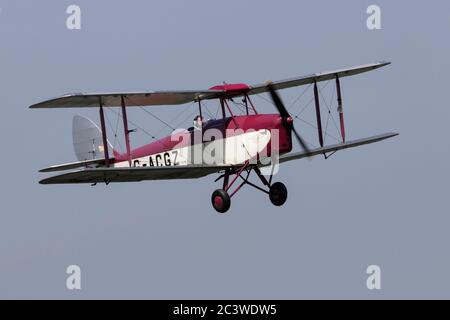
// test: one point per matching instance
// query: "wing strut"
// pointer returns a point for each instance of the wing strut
(125, 129)
(222, 105)
(105, 139)
(340, 110)
(247, 99)
(231, 112)
(200, 109)
(318, 117)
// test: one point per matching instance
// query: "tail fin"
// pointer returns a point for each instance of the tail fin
(87, 139)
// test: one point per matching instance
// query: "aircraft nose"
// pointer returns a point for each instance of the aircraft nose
(289, 120)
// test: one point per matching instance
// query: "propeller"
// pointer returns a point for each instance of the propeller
(288, 121)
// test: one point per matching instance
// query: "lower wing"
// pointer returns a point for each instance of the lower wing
(108, 175)
(336, 147)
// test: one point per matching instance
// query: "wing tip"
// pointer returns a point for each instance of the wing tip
(384, 63)
(44, 182)
(392, 134)
(386, 136)
(35, 106)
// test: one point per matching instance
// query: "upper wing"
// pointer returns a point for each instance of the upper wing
(155, 98)
(89, 100)
(336, 147)
(99, 175)
(324, 76)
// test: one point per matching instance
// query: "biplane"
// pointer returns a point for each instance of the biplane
(236, 145)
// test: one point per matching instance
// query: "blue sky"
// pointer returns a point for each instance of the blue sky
(384, 204)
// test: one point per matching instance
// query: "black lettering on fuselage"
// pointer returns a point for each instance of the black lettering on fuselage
(158, 159)
(161, 160)
(167, 161)
(175, 152)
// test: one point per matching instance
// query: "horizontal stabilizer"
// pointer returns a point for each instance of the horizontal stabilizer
(74, 165)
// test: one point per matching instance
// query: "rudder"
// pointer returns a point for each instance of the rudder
(87, 139)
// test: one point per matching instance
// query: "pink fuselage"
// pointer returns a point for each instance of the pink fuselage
(228, 127)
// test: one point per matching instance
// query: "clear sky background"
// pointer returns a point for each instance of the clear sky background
(385, 204)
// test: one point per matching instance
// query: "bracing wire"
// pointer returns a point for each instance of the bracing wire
(115, 132)
(329, 111)
(142, 129)
(157, 118)
(151, 114)
(299, 97)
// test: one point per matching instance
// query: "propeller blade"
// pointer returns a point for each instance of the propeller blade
(300, 140)
(277, 102)
(285, 115)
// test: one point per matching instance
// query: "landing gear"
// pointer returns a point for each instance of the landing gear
(278, 194)
(221, 200)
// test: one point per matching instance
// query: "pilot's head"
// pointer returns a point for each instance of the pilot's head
(198, 122)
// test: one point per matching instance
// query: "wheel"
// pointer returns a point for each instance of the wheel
(278, 194)
(221, 200)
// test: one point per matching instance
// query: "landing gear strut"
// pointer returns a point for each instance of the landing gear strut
(221, 198)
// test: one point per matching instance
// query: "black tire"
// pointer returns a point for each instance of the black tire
(278, 194)
(221, 200)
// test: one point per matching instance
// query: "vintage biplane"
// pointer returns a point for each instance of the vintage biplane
(245, 142)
